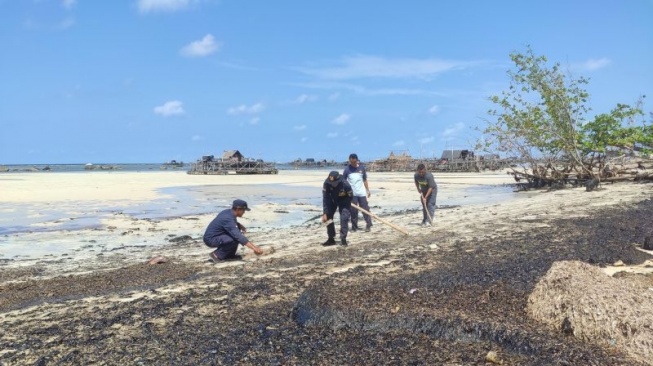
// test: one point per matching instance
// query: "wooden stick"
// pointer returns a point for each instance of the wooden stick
(428, 214)
(380, 219)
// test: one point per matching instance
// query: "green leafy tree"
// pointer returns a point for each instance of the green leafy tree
(542, 120)
(615, 130)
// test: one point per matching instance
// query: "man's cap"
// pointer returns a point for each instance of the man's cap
(353, 156)
(240, 204)
(334, 174)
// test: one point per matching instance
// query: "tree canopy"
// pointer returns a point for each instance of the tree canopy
(543, 120)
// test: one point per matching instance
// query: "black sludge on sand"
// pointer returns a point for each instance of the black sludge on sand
(481, 298)
(453, 305)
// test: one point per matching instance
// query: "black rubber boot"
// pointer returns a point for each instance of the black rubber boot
(329, 242)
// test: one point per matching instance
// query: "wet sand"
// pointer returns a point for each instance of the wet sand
(467, 278)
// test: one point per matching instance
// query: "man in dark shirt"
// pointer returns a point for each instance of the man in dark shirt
(336, 194)
(428, 191)
(225, 233)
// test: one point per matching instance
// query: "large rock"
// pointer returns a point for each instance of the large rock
(582, 301)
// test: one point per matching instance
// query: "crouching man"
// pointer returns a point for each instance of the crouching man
(225, 233)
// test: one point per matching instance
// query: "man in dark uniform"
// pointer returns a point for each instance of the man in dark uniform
(336, 194)
(225, 233)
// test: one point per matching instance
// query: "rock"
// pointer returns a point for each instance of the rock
(619, 263)
(591, 184)
(181, 239)
(157, 260)
(492, 357)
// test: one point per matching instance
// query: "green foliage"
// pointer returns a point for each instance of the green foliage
(543, 116)
(607, 130)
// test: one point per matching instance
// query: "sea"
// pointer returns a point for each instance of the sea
(88, 167)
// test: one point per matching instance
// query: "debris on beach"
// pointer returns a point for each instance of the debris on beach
(157, 260)
(590, 305)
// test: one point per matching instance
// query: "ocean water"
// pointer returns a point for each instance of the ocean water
(139, 167)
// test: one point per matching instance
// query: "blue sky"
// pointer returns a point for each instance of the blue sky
(153, 80)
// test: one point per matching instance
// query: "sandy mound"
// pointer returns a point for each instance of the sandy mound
(579, 299)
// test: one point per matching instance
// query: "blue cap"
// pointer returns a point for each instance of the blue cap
(240, 204)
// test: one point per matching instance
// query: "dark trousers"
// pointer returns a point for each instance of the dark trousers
(345, 214)
(362, 202)
(224, 250)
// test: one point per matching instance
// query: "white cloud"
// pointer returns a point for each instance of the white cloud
(146, 6)
(171, 108)
(399, 143)
(299, 128)
(453, 130)
(305, 98)
(304, 139)
(66, 23)
(367, 91)
(203, 47)
(592, 64)
(341, 119)
(197, 138)
(426, 140)
(377, 67)
(68, 3)
(244, 109)
(254, 121)
(334, 96)
(332, 135)
(434, 110)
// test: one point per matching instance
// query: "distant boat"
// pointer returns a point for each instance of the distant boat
(90, 166)
(172, 164)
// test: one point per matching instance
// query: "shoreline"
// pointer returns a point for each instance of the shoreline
(478, 263)
(75, 211)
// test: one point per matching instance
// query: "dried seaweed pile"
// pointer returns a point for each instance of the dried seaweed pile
(578, 299)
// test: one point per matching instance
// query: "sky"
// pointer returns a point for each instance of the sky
(148, 81)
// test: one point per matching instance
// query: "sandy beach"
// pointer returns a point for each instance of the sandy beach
(71, 218)
(75, 287)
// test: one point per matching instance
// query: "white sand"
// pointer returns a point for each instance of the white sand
(94, 220)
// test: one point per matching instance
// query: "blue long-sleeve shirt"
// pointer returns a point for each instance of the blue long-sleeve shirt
(224, 229)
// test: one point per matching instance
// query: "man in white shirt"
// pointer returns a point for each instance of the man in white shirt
(356, 175)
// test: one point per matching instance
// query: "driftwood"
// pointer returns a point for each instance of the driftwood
(590, 176)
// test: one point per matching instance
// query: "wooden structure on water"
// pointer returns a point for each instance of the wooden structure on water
(401, 162)
(312, 163)
(172, 164)
(450, 161)
(231, 162)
